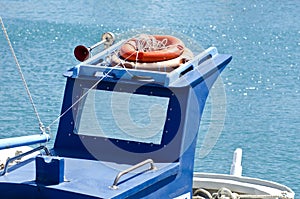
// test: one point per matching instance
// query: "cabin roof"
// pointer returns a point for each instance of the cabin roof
(96, 68)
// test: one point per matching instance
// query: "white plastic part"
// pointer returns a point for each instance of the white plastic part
(236, 166)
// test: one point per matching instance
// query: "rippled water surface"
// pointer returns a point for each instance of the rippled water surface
(261, 83)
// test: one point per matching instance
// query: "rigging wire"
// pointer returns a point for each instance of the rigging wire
(106, 74)
(41, 126)
(144, 44)
(79, 99)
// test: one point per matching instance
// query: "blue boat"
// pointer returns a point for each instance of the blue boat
(128, 129)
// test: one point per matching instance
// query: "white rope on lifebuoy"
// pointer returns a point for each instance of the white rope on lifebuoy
(151, 48)
(163, 51)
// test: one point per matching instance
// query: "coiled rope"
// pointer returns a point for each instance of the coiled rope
(41, 126)
(225, 193)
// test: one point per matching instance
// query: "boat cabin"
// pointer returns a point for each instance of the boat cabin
(123, 133)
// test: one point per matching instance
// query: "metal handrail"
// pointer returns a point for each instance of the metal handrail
(22, 155)
(134, 167)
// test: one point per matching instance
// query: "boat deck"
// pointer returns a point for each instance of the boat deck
(95, 183)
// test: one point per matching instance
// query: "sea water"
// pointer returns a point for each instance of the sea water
(254, 105)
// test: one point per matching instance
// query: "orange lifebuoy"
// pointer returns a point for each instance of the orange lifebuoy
(174, 47)
(163, 66)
